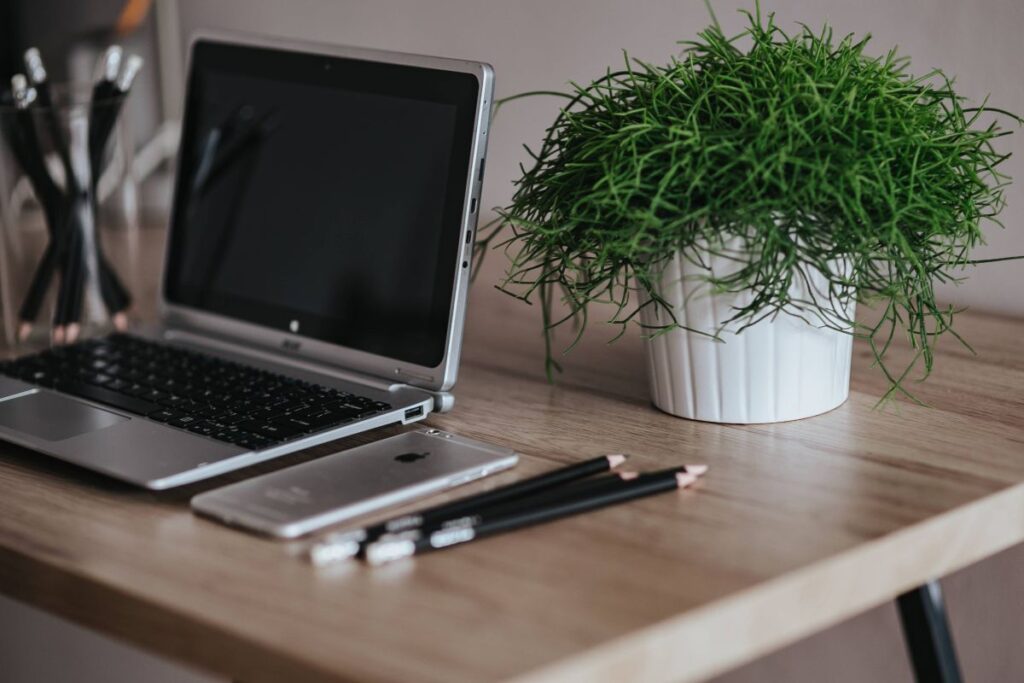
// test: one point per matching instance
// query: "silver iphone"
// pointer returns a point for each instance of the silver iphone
(338, 487)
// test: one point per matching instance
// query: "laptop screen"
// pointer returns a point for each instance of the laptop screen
(322, 196)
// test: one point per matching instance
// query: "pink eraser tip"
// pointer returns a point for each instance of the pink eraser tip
(696, 470)
(616, 460)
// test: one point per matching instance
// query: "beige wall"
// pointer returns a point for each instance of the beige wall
(542, 44)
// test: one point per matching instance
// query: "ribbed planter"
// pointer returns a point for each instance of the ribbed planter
(781, 368)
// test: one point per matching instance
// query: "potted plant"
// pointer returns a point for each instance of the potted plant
(741, 200)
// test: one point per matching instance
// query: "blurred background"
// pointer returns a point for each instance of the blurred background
(536, 45)
(533, 44)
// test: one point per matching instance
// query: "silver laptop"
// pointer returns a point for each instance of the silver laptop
(315, 278)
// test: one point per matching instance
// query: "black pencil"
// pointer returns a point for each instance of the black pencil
(346, 545)
(71, 272)
(28, 150)
(69, 288)
(108, 98)
(476, 527)
(58, 204)
(38, 77)
(102, 100)
(519, 489)
(584, 488)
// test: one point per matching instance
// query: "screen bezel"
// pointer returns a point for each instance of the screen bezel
(439, 378)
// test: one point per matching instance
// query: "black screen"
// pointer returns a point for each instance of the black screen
(323, 196)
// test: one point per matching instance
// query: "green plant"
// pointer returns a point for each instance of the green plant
(810, 153)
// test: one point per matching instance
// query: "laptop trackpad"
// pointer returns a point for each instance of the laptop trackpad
(54, 417)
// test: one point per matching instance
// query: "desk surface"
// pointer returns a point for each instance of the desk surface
(796, 527)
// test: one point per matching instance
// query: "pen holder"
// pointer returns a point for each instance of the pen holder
(68, 216)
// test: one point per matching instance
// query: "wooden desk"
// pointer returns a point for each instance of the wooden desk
(796, 527)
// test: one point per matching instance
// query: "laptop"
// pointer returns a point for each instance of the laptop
(315, 275)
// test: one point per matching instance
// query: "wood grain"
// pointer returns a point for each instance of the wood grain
(797, 526)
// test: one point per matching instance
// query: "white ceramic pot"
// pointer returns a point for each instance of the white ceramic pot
(781, 368)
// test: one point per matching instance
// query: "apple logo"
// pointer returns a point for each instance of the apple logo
(411, 457)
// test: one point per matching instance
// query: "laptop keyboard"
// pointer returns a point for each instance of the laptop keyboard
(226, 401)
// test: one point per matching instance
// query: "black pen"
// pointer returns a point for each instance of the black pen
(474, 527)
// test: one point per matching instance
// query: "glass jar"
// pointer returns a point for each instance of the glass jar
(69, 216)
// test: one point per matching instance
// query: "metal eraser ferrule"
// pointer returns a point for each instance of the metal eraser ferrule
(323, 554)
(34, 65)
(389, 551)
(112, 62)
(131, 70)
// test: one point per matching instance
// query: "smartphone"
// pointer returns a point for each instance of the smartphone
(301, 499)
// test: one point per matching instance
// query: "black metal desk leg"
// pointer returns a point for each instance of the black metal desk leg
(926, 632)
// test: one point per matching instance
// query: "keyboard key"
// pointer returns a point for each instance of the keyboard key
(174, 401)
(269, 429)
(164, 415)
(203, 427)
(251, 441)
(136, 390)
(314, 419)
(153, 395)
(184, 421)
(117, 385)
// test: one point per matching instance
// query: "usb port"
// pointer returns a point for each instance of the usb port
(413, 413)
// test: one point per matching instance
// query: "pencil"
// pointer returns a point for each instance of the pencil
(108, 98)
(573, 491)
(38, 77)
(44, 101)
(472, 528)
(69, 288)
(58, 205)
(349, 544)
(75, 245)
(338, 547)
(519, 489)
(28, 150)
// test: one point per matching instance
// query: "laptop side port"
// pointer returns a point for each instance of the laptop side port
(413, 414)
